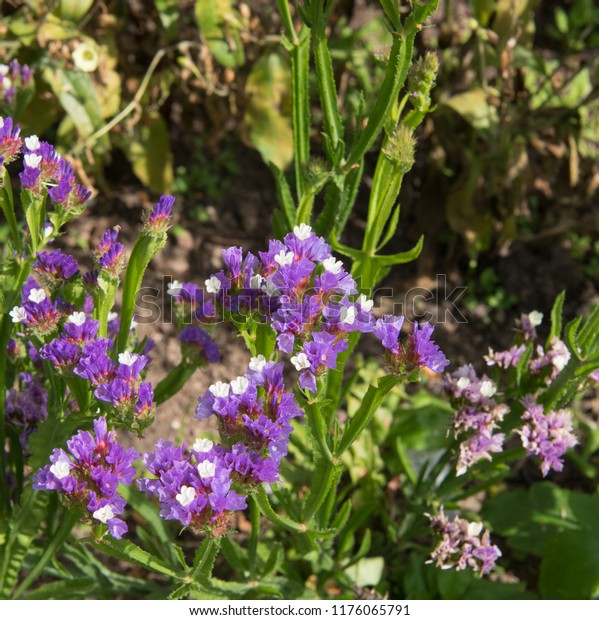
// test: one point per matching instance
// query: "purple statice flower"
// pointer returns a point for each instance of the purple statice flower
(594, 376)
(63, 355)
(463, 544)
(13, 77)
(556, 357)
(90, 278)
(546, 435)
(41, 313)
(53, 167)
(198, 347)
(192, 488)
(95, 364)
(253, 408)
(477, 416)
(426, 353)
(233, 259)
(88, 475)
(477, 447)
(110, 253)
(527, 323)
(80, 329)
(26, 406)
(159, 219)
(418, 350)
(317, 355)
(507, 358)
(10, 140)
(29, 178)
(54, 267)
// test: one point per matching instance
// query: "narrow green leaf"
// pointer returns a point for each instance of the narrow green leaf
(284, 197)
(63, 589)
(371, 402)
(589, 333)
(275, 560)
(274, 517)
(570, 336)
(391, 228)
(129, 552)
(144, 250)
(342, 516)
(325, 474)
(235, 555)
(401, 257)
(7, 204)
(556, 317)
(173, 382)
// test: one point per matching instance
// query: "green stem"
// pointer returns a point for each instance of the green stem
(253, 542)
(395, 77)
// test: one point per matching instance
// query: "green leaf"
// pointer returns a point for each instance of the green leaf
(367, 572)
(473, 107)
(570, 566)
(373, 399)
(63, 589)
(284, 197)
(8, 207)
(72, 10)
(148, 150)
(275, 559)
(274, 517)
(268, 112)
(145, 248)
(220, 24)
(129, 552)
(235, 555)
(173, 382)
(556, 317)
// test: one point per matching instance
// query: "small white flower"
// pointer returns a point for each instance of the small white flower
(112, 316)
(365, 303)
(487, 389)
(300, 361)
(348, 315)
(18, 314)
(257, 363)
(256, 281)
(463, 382)
(474, 529)
(206, 469)
(284, 258)
(32, 160)
(219, 389)
(60, 469)
(535, 318)
(332, 265)
(6, 83)
(302, 232)
(133, 324)
(186, 495)
(32, 143)
(269, 288)
(1, 122)
(86, 57)
(560, 361)
(36, 295)
(77, 318)
(239, 385)
(174, 288)
(213, 285)
(48, 230)
(3, 70)
(128, 359)
(203, 445)
(104, 514)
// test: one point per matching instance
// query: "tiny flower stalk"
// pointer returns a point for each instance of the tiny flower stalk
(34, 206)
(8, 208)
(150, 241)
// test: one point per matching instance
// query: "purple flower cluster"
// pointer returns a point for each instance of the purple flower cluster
(55, 267)
(44, 167)
(546, 435)
(254, 412)
(194, 488)
(10, 141)
(88, 475)
(110, 253)
(463, 544)
(477, 414)
(307, 297)
(198, 348)
(13, 76)
(38, 312)
(158, 220)
(417, 351)
(556, 358)
(26, 406)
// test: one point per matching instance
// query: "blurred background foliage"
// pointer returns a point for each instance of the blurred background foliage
(177, 88)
